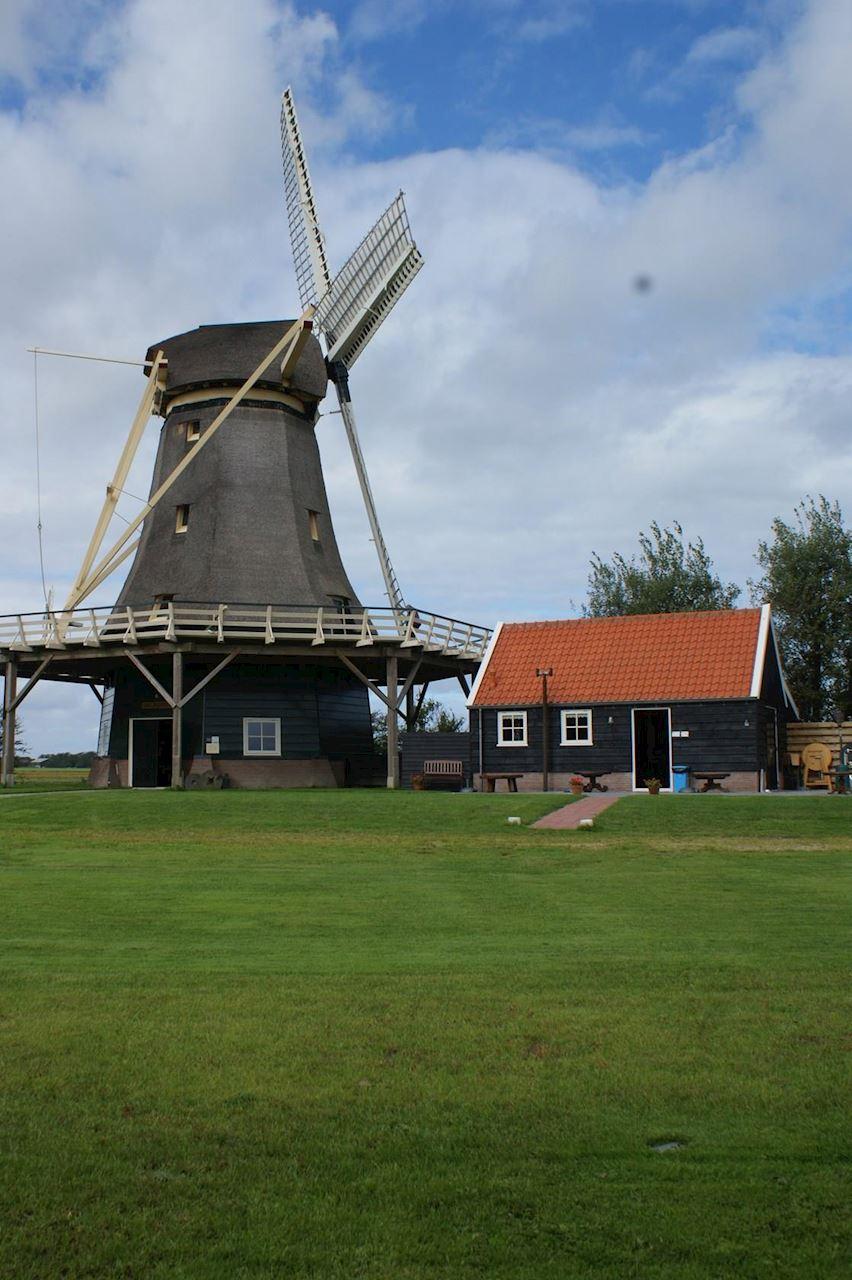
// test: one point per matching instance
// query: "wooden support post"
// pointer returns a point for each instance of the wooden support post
(421, 698)
(114, 490)
(113, 557)
(177, 720)
(393, 723)
(7, 767)
(409, 708)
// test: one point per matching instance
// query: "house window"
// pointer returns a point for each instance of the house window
(193, 432)
(576, 729)
(262, 737)
(313, 525)
(182, 518)
(511, 728)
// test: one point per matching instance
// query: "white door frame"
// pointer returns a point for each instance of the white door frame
(633, 711)
(131, 723)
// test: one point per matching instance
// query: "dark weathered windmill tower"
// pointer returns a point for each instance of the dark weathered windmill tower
(249, 520)
(237, 649)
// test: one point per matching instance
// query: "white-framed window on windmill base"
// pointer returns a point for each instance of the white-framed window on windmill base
(182, 518)
(576, 728)
(313, 525)
(193, 432)
(261, 737)
(511, 728)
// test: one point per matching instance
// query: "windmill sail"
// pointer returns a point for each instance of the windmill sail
(351, 307)
(369, 285)
(312, 274)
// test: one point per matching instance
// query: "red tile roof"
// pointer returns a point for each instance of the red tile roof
(644, 658)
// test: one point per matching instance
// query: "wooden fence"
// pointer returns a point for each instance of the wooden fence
(800, 734)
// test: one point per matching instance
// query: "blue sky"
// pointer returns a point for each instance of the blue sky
(642, 78)
(524, 406)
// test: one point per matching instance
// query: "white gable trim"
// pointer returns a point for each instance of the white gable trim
(760, 651)
(787, 694)
(484, 664)
(766, 632)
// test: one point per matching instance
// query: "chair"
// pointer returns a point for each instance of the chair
(816, 761)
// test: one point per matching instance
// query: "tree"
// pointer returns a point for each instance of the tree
(807, 578)
(667, 577)
(68, 760)
(433, 717)
(20, 746)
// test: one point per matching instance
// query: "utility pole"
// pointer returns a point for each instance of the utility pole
(543, 673)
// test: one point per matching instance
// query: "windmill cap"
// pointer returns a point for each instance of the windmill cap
(227, 354)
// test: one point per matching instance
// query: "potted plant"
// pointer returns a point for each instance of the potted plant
(418, 782)
(653, 785)
(576, 784)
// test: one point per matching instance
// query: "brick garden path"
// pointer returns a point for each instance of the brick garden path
(570, 815)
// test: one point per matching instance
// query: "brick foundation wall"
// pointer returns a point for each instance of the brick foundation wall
(242, 774)
(740, 783)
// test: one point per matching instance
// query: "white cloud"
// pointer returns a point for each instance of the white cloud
(377, 19)
(524, 405)
(725, 44)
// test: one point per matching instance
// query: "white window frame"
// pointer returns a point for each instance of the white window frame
(182, 517)
(515, 742)
(274, 720)
(193, 431)
(564, 740)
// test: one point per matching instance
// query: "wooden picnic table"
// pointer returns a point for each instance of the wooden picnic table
(712, 781)
(593, 784)
(842, 779)
(491, 780)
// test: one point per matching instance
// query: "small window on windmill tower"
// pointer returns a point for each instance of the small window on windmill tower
(182, 518)
(313, 525)
(193, 432)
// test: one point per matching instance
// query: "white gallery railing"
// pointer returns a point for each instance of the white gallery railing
(230, 624)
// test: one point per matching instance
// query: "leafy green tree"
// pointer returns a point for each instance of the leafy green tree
(433, 717)
(807, 578)
(21, 747)
(667, 576)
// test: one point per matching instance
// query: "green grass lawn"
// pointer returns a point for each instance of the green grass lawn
(27, 779)
(359, 1034)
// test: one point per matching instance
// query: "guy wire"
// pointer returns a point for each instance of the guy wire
(38, 482)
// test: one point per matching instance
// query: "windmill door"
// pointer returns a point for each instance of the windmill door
(150, 754)
(652, 746)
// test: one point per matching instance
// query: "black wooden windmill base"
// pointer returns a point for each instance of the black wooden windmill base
(263, 696)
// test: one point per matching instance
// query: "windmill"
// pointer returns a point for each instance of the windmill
(350, 308)
(237, 648)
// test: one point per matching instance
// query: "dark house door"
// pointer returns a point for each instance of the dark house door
(651, 746)
(152, 753)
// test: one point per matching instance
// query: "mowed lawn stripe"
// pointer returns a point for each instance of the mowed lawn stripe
(341, 1034)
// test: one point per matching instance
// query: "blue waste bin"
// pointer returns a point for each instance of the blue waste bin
(680, 777)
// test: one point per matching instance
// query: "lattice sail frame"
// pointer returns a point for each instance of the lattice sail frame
(351, 307)
(369, 285)
(312, 274)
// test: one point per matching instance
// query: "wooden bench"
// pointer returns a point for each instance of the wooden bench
(444, 771)
(491, 780)
(712, 781)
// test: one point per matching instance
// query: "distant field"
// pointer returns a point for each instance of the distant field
(50, 779)
(359, 1034)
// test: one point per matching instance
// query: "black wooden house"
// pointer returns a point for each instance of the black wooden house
(632, 699)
